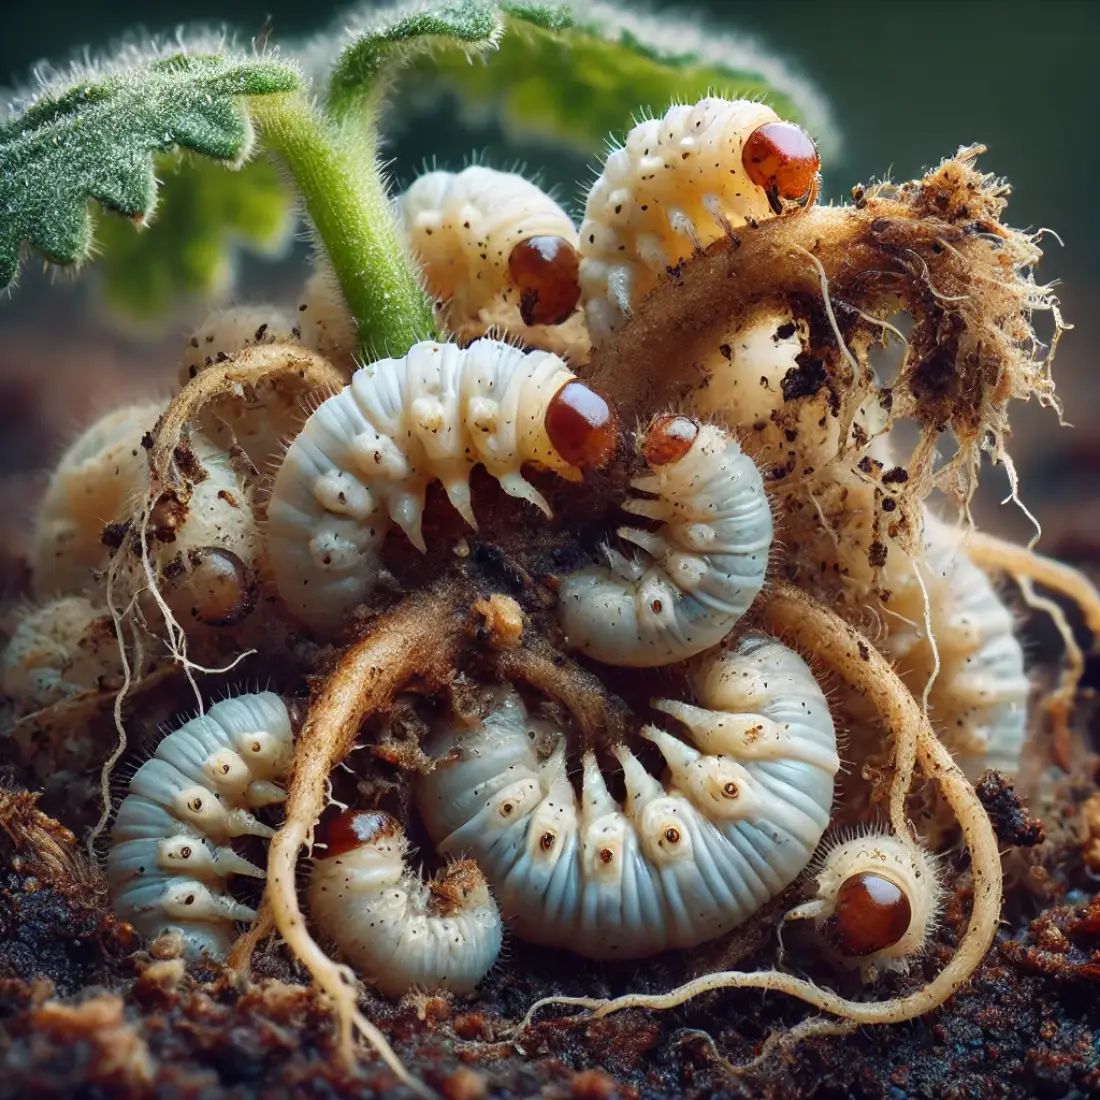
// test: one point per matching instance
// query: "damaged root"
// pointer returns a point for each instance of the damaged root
(816, 629)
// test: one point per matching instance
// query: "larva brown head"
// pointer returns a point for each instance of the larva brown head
(782, 158)
(668, 439)
(545, 269)
(582, 426)
(460, 887)
(354, 828)
(222, 588)
(872, 913)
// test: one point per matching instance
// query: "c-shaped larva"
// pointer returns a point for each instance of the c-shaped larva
(498, 254)
(367, 455)
(677, 184)
(171, 854)
(683, 860)
(400, 932)
(707, 560)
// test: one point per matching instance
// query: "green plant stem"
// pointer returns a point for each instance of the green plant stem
(336, 170)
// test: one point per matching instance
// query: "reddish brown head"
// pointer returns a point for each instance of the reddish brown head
(781, 158)
(354, 828)
(582, 426)
(545, 271)
(872, 913)
(669, 438)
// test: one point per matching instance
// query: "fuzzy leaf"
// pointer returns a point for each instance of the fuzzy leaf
(395, 36)
(95, 139)
(392, 38)
(206, 214)
(578, 78)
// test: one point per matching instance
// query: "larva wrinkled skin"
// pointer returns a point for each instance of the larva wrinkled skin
(59, 649)
(171, 842)
(981, 694)
(702, 568)
(679, 183)
(499, 255)
(98, 481)
(685, 859)
(878, 898)
(400, 932)
(365, 459)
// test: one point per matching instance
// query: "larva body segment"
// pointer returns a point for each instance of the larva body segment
(172, 839)
(679, 183)
(499, 255)
(98, 481)
(701, 569)
(980, 695)
(59, 649)
(399, 931)
(367, 455)
(736, 818)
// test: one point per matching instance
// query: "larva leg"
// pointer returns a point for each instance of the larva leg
(817, 629)
(420, 636)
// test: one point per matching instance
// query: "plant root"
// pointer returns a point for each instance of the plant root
(420, 639)
(934, 248)
(1026, 569)
(813, 627)
(602, 719)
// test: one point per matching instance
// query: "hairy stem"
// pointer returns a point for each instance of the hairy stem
(335, 167)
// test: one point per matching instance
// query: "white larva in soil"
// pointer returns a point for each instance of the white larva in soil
(58, 650)
(679, 183)
(877, 899)
(400, 932)
(979, 699)
(98, 481)
(702, 568)
(365, 459)
(171, 842)
(499, 255)
(735, 820)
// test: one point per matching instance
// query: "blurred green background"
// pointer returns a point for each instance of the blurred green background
(908, 84)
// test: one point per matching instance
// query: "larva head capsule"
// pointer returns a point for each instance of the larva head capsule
(582, 426)
(877, 899)
(544, 270)
(781, 158)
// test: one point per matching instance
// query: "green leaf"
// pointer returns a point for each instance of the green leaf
(578, 79)
(206, 213)
(387, 41)
(94, 136)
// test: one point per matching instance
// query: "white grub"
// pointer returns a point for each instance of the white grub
(365, 459)
(878, 897)
(323, 320)
(686, 858)
(59, 649)
(99, 480)
(472, 231)
(257, 420)
(171, 843)
(978, 700)
(701, 569)
(679, 183)
(400, 932)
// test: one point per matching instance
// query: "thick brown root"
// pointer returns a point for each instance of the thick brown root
(815, 629)
(934, 248)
